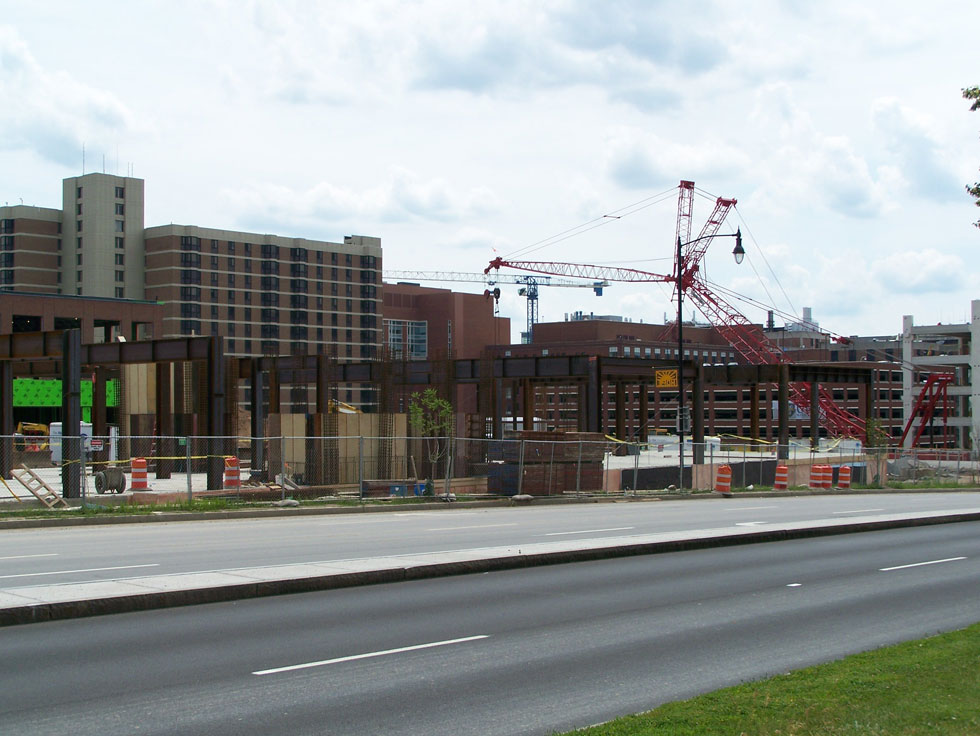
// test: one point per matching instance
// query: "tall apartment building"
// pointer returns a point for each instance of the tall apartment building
(266, 294)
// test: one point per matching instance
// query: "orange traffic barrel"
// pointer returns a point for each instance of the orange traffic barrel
(828, 477)
(782, 478)
(232, 473)
(139, 474)
(816, 476)
(844, 477)
(723, 480)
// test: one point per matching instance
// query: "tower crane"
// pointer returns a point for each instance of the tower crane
(529, 282)
(729, 322)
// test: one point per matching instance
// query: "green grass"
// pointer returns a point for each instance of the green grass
(931, 686)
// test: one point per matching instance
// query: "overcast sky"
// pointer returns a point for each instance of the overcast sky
(459, 131)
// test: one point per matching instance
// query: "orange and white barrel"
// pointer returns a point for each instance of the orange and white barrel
(232, 473)
(844, 477)
(723, 480)
(782, 478)
(828, 477)
(816, 476)
(138, 481)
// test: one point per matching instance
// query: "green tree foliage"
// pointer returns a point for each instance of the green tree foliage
(432, 419)
(973, 93)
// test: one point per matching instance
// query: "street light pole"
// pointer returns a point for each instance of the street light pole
(739, 254)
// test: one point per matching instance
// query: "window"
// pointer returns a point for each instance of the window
(78, 208)
(270, 251)
(231, 246)
(231, 281)
(190, 260)
(298, 301)
(7, 242)
(120, 226)
(120, 259)
(190, 310)
(231, 264)
(189, 242)
(120, 209)
(78, 275)
(78, 226)
(120, 192)
(269, 283)
(406, 339)
(299, 286)
(190, 277)
(214, 261)
(298, 254)
(78, 192)
(78, 259)
(270, 267)
(297, 269)
(6, 226)
(120, 292)
(120, 276)
(214, 279)
(190, 293)
(120, 242)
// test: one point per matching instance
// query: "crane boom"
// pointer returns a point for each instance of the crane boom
(580, 270)
(482, 278)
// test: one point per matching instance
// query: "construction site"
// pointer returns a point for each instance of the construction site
(177, 417)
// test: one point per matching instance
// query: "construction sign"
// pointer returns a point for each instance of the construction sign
(666, 378)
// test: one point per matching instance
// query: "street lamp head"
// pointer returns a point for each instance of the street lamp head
(739, 251)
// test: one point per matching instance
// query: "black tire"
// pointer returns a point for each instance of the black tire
(100, 482)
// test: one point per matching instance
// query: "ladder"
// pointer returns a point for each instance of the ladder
(41, 490)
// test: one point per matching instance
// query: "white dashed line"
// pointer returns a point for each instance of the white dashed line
(920, 564)
(369, 655)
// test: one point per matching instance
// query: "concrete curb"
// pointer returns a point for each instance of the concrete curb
(53, 611)
(269, 513)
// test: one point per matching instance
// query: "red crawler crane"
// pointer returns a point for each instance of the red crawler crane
(729, 322)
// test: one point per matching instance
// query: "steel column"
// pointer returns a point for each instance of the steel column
(71, 414)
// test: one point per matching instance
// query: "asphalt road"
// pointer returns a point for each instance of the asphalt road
(516, 652)
(79, 554)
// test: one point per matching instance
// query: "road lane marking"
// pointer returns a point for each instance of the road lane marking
(589, 531)
(69, 572)
(749, 523)
(794, 585)
(369, 655)
(858, 511)
(920, 564)
(24, 557)
(475, 526)
(749, 508)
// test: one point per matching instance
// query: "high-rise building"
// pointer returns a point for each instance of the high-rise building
(266, 294)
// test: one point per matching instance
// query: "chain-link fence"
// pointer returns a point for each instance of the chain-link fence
(179, 469)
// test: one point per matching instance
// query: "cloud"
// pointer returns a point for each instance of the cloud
(51, 113)
(917, 154)
(402, 198)
(639, 160)
(921, 272)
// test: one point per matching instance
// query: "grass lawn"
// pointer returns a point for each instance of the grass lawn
(931, 686)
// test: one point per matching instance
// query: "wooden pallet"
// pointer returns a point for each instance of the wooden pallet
(41, 490)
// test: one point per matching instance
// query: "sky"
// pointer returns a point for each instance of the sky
(553, 130)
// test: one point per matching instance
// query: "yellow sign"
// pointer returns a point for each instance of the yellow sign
(666, 378)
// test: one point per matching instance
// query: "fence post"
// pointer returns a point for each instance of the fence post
(745, 460)
(360, 463)
(520, 469)
(636, 468)
(578, 470)
(187, 469)
(282, 468)
(450, 453)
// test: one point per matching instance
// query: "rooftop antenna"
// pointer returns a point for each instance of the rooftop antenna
(103, 163)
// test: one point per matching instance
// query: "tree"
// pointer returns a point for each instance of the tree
(432, 419)
(973, 93)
